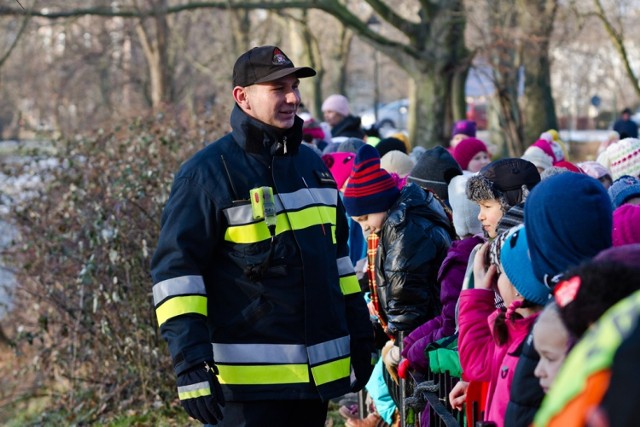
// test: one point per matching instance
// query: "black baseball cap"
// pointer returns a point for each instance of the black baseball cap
(265, 64)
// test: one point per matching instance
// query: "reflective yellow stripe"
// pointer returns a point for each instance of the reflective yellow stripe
(258, 232)
(269, 374)
(194, 390)
(181, 305)
(331, 371)
(349, 285)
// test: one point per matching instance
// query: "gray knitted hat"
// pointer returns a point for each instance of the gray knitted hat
(506, 180)
(434, 171)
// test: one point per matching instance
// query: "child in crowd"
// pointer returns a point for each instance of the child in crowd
(626, 225)
(602, 316)
(625, 189)
(597, 171)
(552, 342)
(434, 170)
(462, 129)
(488, 336)
(471, 154)
(541, 154)
(408, 239)
(397, 162)
(498, 186)
(622, 158)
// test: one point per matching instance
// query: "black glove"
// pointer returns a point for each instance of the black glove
(200, 393)
(362, 361)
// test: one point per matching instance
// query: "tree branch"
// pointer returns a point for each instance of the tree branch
(388, 14)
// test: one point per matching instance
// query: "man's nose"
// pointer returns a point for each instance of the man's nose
(293, 97)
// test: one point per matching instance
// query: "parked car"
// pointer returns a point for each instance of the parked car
(391, 116)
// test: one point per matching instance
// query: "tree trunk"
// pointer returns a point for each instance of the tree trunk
(538, 107)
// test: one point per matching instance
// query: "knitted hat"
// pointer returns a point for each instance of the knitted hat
(568, 166)
(389, 144)
(337, 103)
(593, 169)
(623, 189)
(623, 158)
(628, 255)
(506, 180)
(402, 136)
(540, 154)
(467, 149)
(568, 220)
(516, 263)
(557, 145)
(340, 166)
(434, 170)
(312, 129)
(351, 145)
(370, 189)
(265, 64)
(464, 127)
(398, 162)
(626, 225)
(465, 212)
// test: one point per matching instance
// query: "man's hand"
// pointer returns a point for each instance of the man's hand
(200, 393)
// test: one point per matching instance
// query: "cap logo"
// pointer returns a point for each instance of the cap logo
(279, 58)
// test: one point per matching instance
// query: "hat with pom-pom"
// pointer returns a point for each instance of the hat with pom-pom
(370, 188)
(622, 158)
(540, 154)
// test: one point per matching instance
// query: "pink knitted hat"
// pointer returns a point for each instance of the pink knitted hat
(337, 103)
(626, 225)
(624, 158)
(593, 169)
(340, 165)
(541, 154)
(467, 149)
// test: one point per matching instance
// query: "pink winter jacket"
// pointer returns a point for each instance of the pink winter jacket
(481, 358)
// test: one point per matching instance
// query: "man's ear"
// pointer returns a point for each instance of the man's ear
(240, 95)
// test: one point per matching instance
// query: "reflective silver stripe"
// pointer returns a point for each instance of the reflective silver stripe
(193, 387)
(241, 215)
(309, 196)
(329, 350)
(259, 353)
(183, 285)
(344, 266)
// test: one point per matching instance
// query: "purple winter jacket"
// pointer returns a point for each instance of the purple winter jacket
(450, 278)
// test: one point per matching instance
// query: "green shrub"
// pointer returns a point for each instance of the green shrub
(85, 328)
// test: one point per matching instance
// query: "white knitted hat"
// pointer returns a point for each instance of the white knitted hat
(465, 211)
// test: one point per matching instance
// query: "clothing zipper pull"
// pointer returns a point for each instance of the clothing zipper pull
(284, 141)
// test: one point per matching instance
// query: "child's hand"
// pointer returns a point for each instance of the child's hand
(458, 395)
(483, 274)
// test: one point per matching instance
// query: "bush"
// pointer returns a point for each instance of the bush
(83, 309)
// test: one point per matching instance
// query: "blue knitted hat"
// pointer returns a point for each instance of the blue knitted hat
(623, 189)
(370, 189)
(568, 219)
(516, 262)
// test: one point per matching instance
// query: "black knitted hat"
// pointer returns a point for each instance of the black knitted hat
(434, 170)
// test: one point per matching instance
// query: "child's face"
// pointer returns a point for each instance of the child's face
(551, 341)
(371, 222)
(479, 161)
(489, 216)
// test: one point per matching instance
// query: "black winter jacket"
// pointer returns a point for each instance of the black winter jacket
(291, 332)
(413, 243)
(349, 127)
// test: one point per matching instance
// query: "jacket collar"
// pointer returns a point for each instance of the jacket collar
(258, 138)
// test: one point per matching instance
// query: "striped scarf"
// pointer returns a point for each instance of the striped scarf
(372, 248)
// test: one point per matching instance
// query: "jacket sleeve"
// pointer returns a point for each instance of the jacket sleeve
(475, 342)
(410, 268)
(186, 242)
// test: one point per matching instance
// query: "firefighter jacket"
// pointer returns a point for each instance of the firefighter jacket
(280, 313)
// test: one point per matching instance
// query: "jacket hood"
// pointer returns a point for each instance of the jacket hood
(413, 198)
(259, 138)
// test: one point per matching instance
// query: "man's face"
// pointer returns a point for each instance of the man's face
(273, 103)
